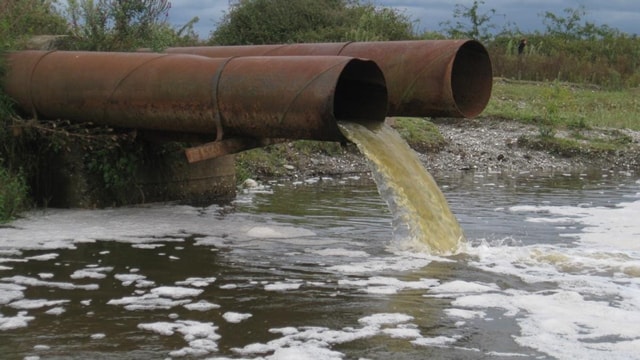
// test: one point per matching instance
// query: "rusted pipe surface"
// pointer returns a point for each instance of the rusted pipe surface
(449, 78)
(260, 97)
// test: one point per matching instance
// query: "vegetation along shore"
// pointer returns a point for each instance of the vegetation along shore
(566, 99)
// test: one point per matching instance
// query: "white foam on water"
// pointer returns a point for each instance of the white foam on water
(159, 298)
(235, 317)
(229, 286)
(21, 320)
(283, 286)
(278, 232)
(333, 252)
(176, 292)
(316, 343)
(142, 226)
(58, 310)
(408, 332)
(91, 273)
(62, 228)
(201, 305)
(6, 260)
(378, 320)
(460, 286)
(436, 341)
(10, 252)
(43, 257)
(30, 304)
(395, 263)
(10, 292)
(592, 308)
(147, 246)
(611, 227)
(465, 314)
(130, 279)
(201, 337)
(147, 302)
(30, 281)
(197, 281)
(387, 285)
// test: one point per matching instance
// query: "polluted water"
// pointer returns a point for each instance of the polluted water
(422, 218)
(310, 269)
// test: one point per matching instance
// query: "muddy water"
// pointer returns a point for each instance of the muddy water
(421, 215)
(311, 270)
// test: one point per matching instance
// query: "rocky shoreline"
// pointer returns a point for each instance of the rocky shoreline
(485, 145)
(490, 145)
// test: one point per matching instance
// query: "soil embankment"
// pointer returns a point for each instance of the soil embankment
(488, 145)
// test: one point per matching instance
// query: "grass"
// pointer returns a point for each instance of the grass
(422, 135)
(564, 105)
(580, 112)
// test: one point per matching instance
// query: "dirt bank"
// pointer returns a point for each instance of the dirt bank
(486, 145)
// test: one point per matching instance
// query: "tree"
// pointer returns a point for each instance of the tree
(107, 25)
(21, 19)
(286, 21)
(379, 24)
(572, 26)
(470, 22)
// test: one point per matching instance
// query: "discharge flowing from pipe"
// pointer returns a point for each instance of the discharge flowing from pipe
(436, 78)
(421, 217)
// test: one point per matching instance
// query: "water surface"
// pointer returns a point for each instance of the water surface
(311, 270)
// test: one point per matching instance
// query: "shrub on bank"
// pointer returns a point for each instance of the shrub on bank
(611, 61)
(13, 194)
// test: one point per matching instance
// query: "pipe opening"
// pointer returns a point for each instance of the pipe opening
(471, 78)
(361, 92)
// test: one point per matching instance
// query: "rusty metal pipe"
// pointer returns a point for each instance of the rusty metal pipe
(258, 97)
(437, 78)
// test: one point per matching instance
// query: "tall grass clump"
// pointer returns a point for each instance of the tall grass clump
(611, 61)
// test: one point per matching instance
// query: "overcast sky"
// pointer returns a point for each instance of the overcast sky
(527, 15)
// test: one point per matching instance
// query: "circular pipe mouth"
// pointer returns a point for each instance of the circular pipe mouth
(471, 78)
(361, 93)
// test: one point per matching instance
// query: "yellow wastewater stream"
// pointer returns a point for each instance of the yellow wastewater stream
(421, 214)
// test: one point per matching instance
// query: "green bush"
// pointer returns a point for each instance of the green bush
(113, 25)
(13, 194)
(22, 19)
(284, 21)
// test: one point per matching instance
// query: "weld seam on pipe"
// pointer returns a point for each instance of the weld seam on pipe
(266, 53)
(125, 77)
(31, 75)
(217, 116)
(344, 46)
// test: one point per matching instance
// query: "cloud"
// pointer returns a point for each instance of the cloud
(209, 12)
